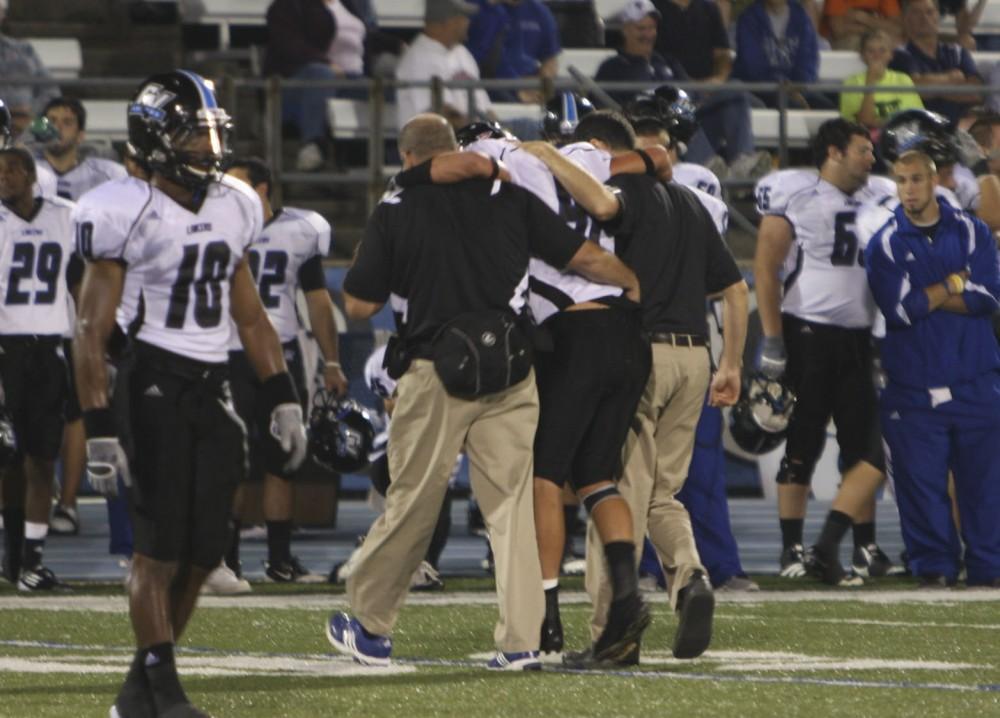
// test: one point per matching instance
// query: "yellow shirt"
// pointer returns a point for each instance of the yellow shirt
(887, 103)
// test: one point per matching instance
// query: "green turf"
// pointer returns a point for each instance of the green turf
(953, 633)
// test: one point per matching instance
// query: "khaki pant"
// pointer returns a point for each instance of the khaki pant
(429, 428)
(658, 456)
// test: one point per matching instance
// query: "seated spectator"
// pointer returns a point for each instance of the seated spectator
(845, 21)
(513, 39)
(725, 140)
(776, 41)
(872, 109)
(986, 132)
(438, 52)
(578, 22)
(928, 61)
(319, 40)
(694, 33)
(19, 59)
(965, 19)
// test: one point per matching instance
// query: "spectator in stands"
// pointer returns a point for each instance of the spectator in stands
(578, 21)
(319, 40)
(725, 132)
(776, 41)
(965, 19)
(845, 21)
(986, 132)
(694, 33)
(512, 39)
(928, 61)
(438, 52)
(19, 59)
(872, 109)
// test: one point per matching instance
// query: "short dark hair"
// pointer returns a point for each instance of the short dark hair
(22, 154)
(609, 127)
(73, 105)
(648, 126)
(837, 133)
(257, 171)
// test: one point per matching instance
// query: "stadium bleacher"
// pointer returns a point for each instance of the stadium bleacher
(61, 56)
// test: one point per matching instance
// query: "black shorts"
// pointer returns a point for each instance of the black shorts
(188, 457)
(830, 370)
(264, 453)
(589, 388)
(73, 411)
(35, 377)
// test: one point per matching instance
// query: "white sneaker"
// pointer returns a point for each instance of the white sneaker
(223, 582)
(310, 158)
(65, 521)
(426, 578)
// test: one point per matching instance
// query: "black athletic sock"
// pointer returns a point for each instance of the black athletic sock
(279, 541)
(621, 568)
(864, 534)
(552, 603)
(33, 549)
(161, 671)
(834, 529)
(791, 531)
(233, 554)
(441, 531)
(13, 537)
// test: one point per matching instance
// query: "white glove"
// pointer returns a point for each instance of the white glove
(772, 357)
(105, 461)
(290, 432)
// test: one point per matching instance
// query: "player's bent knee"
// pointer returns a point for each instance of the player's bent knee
(796, 473)
(591, 500)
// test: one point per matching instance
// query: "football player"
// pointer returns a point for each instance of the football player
(182, 238)
(286, 257)
(36, 269)
(822, 311)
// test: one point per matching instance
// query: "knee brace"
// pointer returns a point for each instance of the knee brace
(591, 500)
(795, 472)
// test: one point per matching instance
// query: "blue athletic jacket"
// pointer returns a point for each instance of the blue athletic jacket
(924, 349)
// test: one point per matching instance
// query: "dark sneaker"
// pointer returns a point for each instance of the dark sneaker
(290, 571)
(584, 660)
(523, 661)
(628, 618)
(552, 635)
(828, 569)
(935, 581)
(40, 579)
(793, 562)
(695, 609)
(348, 636)
(135, 699)
(872, 562)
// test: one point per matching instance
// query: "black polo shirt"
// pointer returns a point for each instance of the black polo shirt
(691, 35)
(442, 250)
(669, 240)
(635, 68)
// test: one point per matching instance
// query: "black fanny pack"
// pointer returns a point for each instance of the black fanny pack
(481, 353)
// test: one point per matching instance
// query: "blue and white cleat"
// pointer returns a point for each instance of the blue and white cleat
(523, 661)
(349, 637)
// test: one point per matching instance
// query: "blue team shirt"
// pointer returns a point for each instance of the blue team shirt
(911, 60)
(924, 349)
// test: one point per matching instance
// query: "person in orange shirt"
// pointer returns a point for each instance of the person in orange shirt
(845, 21)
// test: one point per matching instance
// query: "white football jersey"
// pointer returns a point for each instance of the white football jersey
(183, 260)
(291, 237)
(34, 255)
(525, 169)
(697, 177)
(91, 172)
(772, 191)
(376, 376)
(966, 188)
(716, 207)
(825, 281)
(45, 181)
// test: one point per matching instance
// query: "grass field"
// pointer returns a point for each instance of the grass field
(886, 650)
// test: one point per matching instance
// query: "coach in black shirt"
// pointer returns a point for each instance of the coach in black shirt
(440, 253)
(671, 241)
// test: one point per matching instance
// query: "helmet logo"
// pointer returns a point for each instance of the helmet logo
(151, 100)
(488, 339)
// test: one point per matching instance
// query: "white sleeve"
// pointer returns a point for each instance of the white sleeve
(103, 219)
(323, 233)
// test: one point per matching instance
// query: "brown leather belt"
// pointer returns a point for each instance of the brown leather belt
(678, 340)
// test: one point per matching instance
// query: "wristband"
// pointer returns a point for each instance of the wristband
(496, 169)
(648, 161)
(99, 423)
(332, 364)
(420, 174)
(279, 389)
(954, 283)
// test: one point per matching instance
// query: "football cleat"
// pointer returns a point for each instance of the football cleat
(551, 640)
(223, 581)
(521, 661)
(793, 562)
(628, 618)
(584, 660)
(349, 637)
(695, 609)
(40, 579)
(871, 562)
(829, 570)
(290, 571)
(426, 578)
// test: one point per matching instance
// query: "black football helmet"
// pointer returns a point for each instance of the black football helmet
(759, 420)
(679, 115)
(921, 130)
(481, 131)
(5, 125)
(647, 106)
(341, 433)
(167, 112)
(562, 114)
(8, 439)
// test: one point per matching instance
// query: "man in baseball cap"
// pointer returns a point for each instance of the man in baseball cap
(438, 10)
